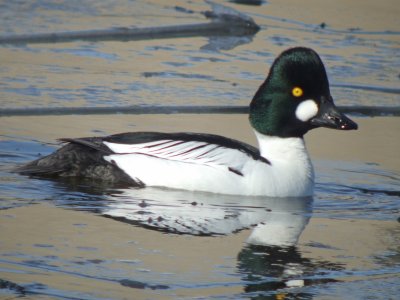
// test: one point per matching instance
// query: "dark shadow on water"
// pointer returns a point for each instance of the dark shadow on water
(270, 271)
(369, 111)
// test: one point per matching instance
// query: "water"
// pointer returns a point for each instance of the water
(79, 240)
(361, 196)
(189, 71)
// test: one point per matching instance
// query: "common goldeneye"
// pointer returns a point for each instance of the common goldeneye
(293, 99)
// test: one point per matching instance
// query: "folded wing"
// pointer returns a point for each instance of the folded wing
(204, 149)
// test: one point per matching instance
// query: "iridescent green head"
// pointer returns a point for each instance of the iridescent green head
(295, 97)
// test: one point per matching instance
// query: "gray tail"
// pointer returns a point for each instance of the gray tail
(78, 158)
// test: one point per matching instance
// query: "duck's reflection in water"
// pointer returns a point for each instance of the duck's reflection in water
(267, 269)
(274, 221)
(268, 262)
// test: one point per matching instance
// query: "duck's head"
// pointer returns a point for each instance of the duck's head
(295, 97)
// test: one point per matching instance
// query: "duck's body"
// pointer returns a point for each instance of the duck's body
(285, 107)
(190, 161)
(217, 164)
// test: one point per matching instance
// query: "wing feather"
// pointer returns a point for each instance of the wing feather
(201, 149)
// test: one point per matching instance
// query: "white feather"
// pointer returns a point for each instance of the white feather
(306, 110)
(189, 152)
(214, 168)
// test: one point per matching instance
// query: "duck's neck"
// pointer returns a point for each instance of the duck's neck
(291, 171)
(278, 150)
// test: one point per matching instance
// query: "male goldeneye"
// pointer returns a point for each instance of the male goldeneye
(294, 98)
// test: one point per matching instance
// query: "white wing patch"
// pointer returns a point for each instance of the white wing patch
(186, 151)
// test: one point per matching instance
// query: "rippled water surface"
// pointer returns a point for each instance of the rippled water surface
(355, 205)
(75, 239)
(189, 71)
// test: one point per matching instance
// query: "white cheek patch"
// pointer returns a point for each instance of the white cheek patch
(306, 110)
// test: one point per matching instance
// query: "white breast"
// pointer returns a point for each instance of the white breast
(292, 170)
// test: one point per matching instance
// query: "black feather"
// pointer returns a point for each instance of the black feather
(76, 160)
(84, 157)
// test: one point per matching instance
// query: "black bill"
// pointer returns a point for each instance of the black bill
(329, 116)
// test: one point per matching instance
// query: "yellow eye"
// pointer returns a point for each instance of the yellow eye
(297, 92)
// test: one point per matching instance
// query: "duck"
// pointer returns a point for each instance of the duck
(294, 99)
